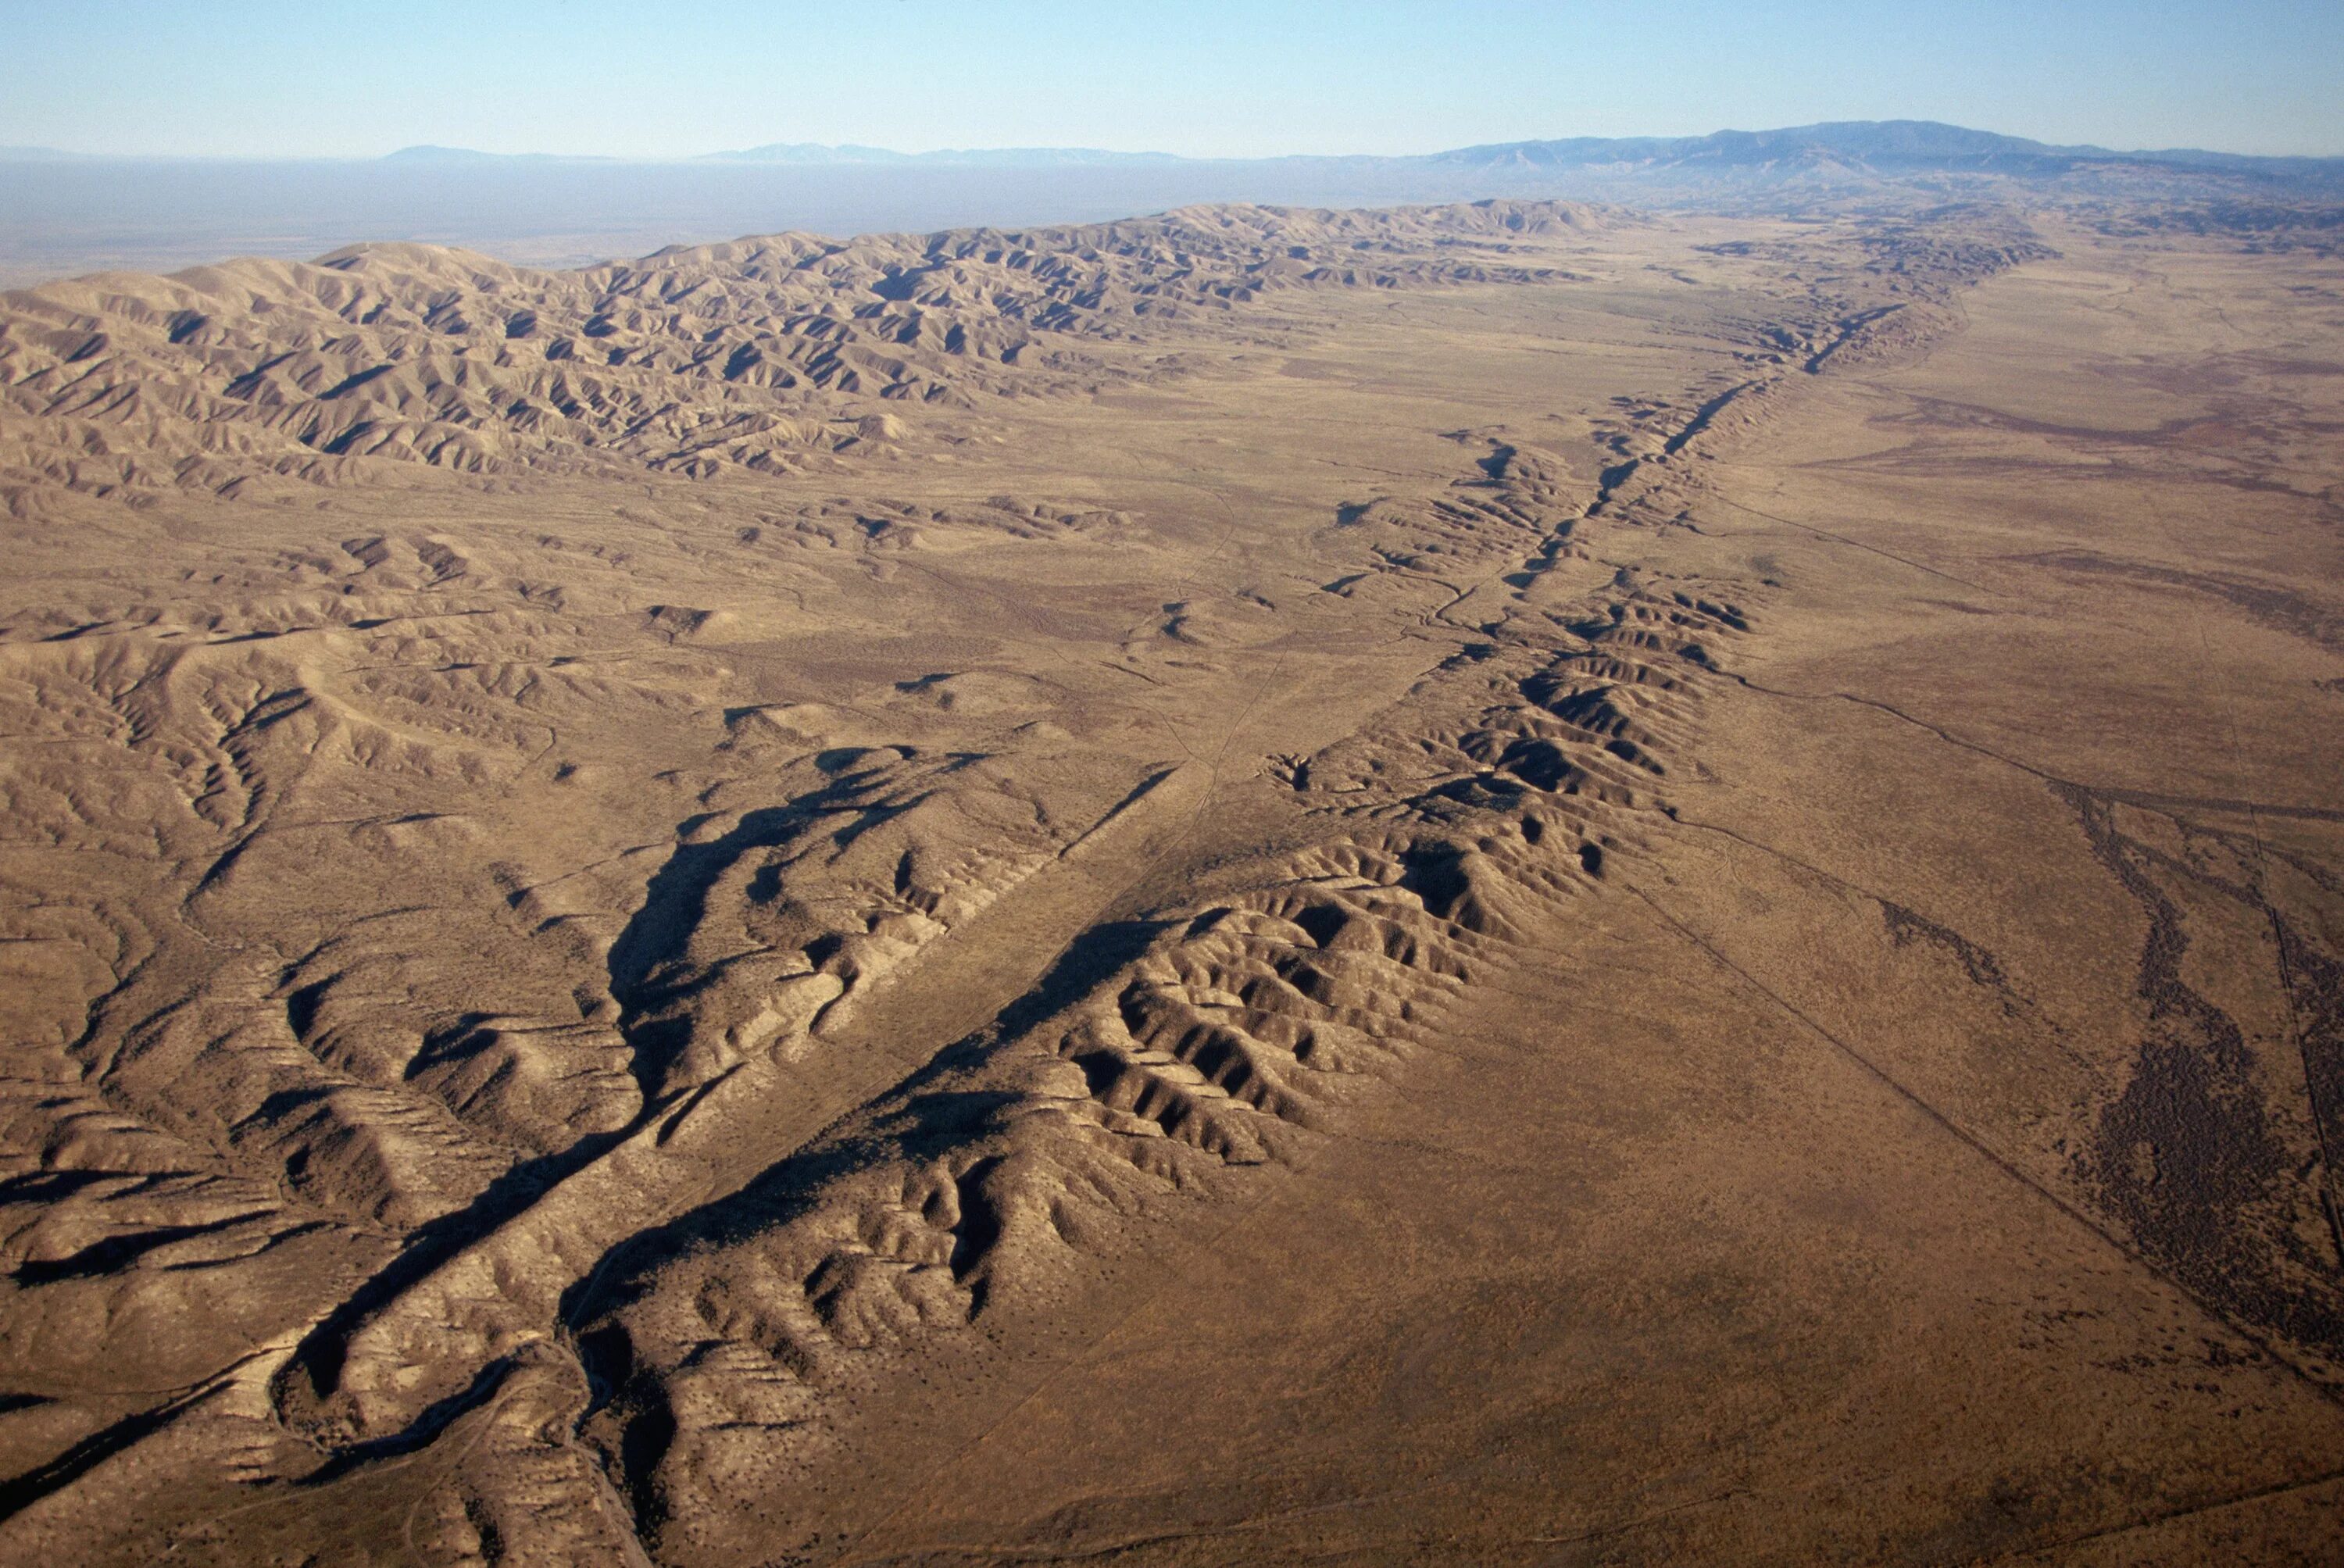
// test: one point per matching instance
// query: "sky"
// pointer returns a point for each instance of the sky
(273, 78)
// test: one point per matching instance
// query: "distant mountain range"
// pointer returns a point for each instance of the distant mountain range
(68, 212)
(1884, 147)
(1836, 155)
(1796, 166)
(1854, 147)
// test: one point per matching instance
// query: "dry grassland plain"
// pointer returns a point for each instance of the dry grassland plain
(1500, 884)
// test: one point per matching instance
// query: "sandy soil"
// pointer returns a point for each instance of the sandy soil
(1481, 885)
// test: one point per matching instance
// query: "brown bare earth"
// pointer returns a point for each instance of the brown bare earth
(1480, 885)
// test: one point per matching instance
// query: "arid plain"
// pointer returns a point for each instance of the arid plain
(1497, 884)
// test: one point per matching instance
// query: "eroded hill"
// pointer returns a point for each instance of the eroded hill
(744, 354)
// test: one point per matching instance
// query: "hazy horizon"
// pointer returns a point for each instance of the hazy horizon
(71, 214)
(264, 79)
(442, 147)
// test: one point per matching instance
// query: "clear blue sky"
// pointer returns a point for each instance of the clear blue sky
(647, 79)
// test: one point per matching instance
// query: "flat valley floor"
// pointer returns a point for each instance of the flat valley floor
(1496, 884)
